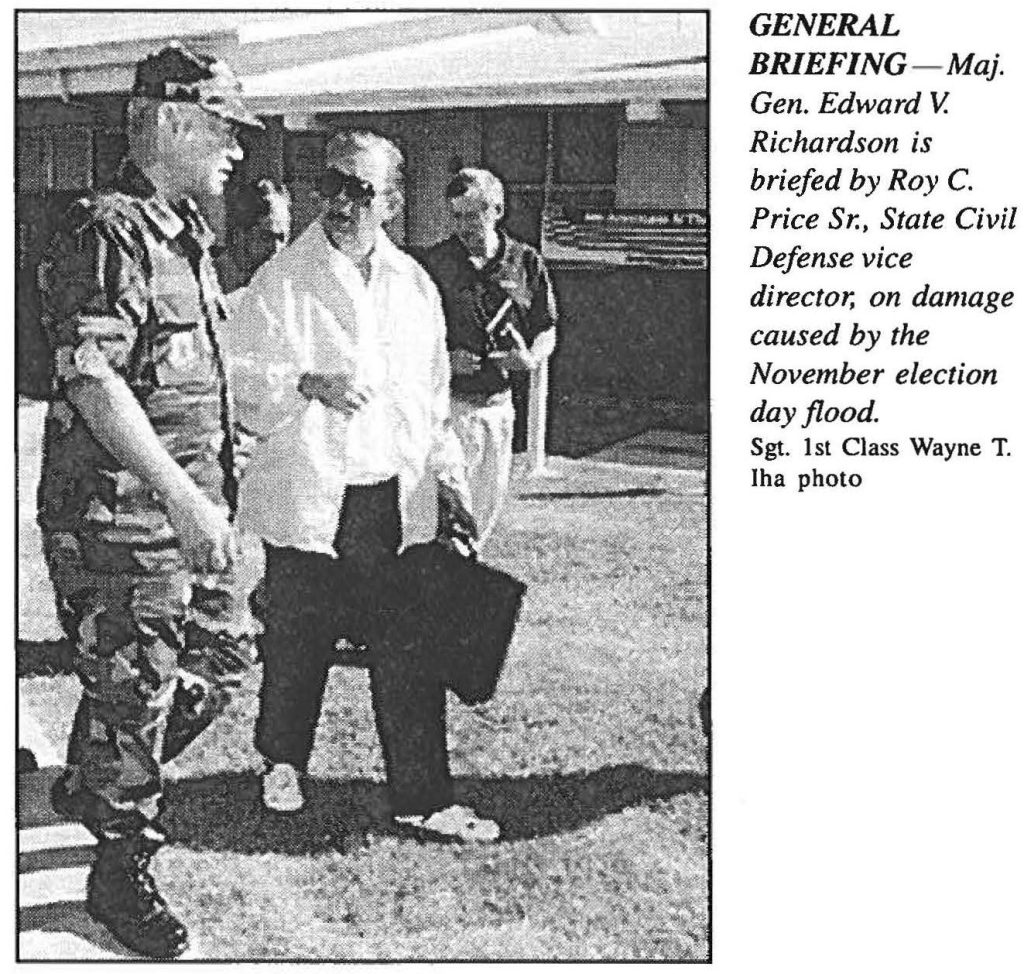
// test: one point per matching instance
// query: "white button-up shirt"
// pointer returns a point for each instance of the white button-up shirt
(309, 309)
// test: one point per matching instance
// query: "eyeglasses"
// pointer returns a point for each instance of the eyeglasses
(334, 182)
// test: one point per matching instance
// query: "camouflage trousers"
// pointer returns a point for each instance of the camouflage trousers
(158, 651)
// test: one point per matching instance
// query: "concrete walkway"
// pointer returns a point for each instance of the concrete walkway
(54, 857)
(53, 863)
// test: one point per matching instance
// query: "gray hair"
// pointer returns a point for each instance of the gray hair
(143, 117)
(141, 120)
(480, 183)
(345, 145)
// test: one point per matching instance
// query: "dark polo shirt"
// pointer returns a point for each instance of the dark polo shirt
(472, 296)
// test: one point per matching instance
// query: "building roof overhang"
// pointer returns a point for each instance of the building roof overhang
(388, 61)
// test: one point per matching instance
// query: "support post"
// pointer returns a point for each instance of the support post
(537, 421)
(537, 416)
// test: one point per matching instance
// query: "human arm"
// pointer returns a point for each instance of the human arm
(262, 362)
(534, 344)
(464, 362)
(522, 357)
(336, 390)
(94, 304)
(115, 418)
(445, 458)
(292, 343)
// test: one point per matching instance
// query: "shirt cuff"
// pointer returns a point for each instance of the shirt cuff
(86, 360)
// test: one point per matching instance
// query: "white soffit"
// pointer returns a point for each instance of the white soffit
(381, 60)
(513, 66)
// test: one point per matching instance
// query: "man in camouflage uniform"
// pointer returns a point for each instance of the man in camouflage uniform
(138, 482)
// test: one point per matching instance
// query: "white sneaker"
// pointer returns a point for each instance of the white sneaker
(281, 791)
(456, 823)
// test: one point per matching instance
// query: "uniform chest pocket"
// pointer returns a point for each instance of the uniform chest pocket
(180, 348)
(182, 356)
(175, 297)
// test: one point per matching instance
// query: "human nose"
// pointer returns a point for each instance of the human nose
(341, 205)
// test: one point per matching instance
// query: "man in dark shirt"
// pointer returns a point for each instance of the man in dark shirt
(500, 314)
(264, 216)
(138, 481)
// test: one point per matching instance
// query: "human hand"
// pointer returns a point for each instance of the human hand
(514, 359)
(207, 539)
(336, 390)
(518, 358)
(216, 656)
(456, 527)
(464, 362)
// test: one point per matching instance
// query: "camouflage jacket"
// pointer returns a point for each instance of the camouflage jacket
(128, 281)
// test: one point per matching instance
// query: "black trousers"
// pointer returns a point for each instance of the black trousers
(312, 601)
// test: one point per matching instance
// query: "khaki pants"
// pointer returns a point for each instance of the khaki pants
(485, 432)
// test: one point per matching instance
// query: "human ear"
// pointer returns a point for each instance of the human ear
(170, 117)
(393, 201)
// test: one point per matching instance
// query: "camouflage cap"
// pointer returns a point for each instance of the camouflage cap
(174, 73)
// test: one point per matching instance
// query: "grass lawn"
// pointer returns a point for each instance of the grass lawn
(590, 756)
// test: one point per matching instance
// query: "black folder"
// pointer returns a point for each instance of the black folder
(457, 612)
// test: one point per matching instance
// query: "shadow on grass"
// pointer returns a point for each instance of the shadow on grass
(39, 860)
(664, 448)
(223, 812)
(595, 494)
(43, 657)
(68, 917)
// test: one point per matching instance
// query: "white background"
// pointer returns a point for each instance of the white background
(866, 644)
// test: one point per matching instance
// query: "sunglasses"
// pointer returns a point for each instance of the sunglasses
(334, 182)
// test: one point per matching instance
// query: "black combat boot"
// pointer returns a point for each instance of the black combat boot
(195, 707)
(122, 895)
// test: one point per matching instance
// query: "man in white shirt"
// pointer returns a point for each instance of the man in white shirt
(340, 369)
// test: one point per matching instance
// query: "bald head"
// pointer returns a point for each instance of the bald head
(351, 145)
(362, 189)
(476, 202)
(477, 184)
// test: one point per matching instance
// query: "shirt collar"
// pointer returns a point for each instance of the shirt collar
(491, 262)
(195, 222)
(170, 221)
(498, 260)
(384, 256)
